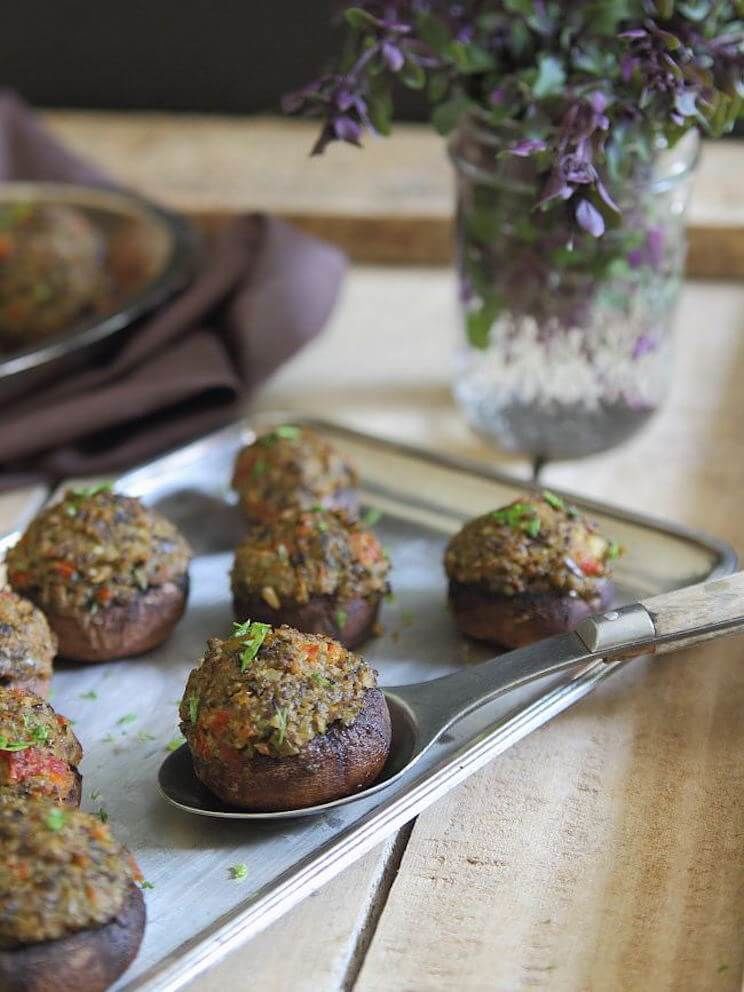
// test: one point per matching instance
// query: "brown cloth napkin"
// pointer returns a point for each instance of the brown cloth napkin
(263, 290)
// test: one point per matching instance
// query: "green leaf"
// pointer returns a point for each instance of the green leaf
(359, 19)
(380, 106)
(413, 76)
(252, 634)
(604, 16)
(193, 707)
(438, 85)
(524, 7)
(175, 743)
(551, 76)
(371, 516)
(478, 323)
(553, 500)
(55, 820)
(288, 432)
(434, 31)
(238, 872)
(8, 745)
(470, 58)
(445, 116)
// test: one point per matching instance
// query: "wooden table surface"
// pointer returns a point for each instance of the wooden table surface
(605, 853)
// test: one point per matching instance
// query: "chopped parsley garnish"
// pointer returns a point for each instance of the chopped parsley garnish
(91, 694)
(84, 491)
(259, 468)
(614, 550)
(175, 743)
(55, 819)
(238, 872)
(252, 634)
(8, 745)
(341, 617)
(95, 794)
(144, 884)
(280, 722)
(320, 680)
(552, 500)
(75, 497)
(371, 516)
(127, 718)
(38, 733)
(519, 516)
(102, 815)
(287, 432)
(193, 707)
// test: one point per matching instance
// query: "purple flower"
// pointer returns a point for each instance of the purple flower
(644, 345)
(347, 129)
(394, 58)
(527, 147)
(590, 219)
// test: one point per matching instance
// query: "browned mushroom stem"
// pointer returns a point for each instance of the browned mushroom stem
(120, 631)
(338, 763)
(88, 961)
(513, 621)
(351, 623)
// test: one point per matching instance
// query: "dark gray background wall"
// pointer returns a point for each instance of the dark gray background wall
(229, 56)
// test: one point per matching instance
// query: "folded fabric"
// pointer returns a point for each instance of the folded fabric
(262, 291)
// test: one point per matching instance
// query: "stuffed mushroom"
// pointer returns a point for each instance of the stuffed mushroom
(110, 574)
(313, 570)
(27, 645)
(51, 270)
(293, 468)
(278, 720)
(528, 570)
(39, 753)
(71, 914)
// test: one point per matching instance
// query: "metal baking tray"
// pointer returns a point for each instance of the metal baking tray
(150, 254)
(196, 913)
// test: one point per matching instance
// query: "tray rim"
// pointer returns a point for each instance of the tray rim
(727, 554)
(205, 948)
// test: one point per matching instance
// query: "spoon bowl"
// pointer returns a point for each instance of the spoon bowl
(420, 713)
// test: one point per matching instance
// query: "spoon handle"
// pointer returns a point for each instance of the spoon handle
(660, 624)
(697, 613)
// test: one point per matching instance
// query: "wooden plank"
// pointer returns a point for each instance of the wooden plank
(320, 943)
(390, 203)
(605, 852)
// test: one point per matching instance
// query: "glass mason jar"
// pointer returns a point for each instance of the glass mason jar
(567, 343)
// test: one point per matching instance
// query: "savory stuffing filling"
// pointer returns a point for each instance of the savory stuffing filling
(270, 691)
(61, 871)
(290, 467)
(310, 553)
(27, 646)
(536, 545)
(94, 549)
(50, 270)
(38, 749)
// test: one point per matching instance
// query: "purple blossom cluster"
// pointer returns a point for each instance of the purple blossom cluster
(572, 80)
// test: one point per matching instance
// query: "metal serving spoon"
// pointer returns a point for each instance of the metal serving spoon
(422, 711)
